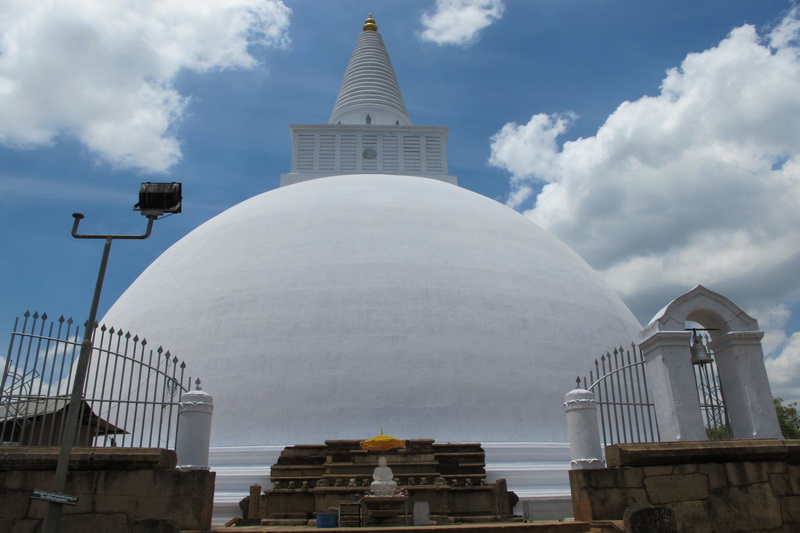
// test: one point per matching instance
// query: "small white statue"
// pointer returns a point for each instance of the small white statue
(384, 484)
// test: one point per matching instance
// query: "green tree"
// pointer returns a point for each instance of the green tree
(788, 418)
(719, 433)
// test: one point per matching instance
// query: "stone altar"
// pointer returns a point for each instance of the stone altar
(450, 478)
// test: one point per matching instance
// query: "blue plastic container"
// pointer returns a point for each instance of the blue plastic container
(327, 520)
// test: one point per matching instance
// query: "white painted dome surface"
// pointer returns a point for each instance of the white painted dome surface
(336, 307)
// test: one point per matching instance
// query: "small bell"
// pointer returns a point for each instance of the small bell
(700, 355)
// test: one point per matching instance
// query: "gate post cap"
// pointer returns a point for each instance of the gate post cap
(579, 394)
(197, 397)
(579, 399)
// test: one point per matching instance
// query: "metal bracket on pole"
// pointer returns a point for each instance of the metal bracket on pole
(79, 216)
(53, 516)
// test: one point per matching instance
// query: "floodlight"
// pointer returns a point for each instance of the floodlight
(155, 199)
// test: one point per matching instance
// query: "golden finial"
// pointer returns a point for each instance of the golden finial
(369, 24)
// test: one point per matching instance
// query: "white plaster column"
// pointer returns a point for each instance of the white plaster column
(745, 386)
(671, 382)
(584, 433)
(194, 430)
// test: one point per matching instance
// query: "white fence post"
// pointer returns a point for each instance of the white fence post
(584, 432)
(194, 430)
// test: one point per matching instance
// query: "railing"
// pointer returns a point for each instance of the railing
(712, 400)
(619, 383)
(626, 409)
(130, 398)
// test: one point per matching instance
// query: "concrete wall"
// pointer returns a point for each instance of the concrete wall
(114, 486)
(731, 486)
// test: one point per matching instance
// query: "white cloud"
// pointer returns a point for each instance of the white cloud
(784, 371)
(103, 71)
(530, 151)
(460, 21)
(772, 322)
(699, 184)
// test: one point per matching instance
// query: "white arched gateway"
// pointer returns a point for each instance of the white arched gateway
(736, 343)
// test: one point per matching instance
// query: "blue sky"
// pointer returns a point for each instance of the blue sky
(660, 140)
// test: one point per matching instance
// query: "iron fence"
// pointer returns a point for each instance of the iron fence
(130, 398)
(711, 397)
(619, 383)
(625, 408)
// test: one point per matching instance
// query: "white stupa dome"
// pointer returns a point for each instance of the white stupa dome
(339, 306)
(370, 292)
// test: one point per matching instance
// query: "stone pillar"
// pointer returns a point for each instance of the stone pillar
(671, 382)
(584, 433)
(194, 430)
(252, 503)
(422, 513)
(745, 387)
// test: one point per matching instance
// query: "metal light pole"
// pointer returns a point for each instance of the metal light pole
(154, 200)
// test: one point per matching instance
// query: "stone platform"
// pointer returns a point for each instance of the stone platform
(536, 472)
(113, 486)
(742, 486)
(450, 478)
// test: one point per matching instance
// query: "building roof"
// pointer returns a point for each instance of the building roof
(26, 410)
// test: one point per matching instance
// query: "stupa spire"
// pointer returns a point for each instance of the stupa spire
(370, 93)
(369, 131)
